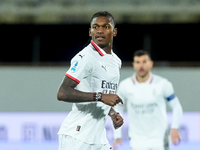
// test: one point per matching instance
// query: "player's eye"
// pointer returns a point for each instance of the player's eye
(95, 27)
(106, 27)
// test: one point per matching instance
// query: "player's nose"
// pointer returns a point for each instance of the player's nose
(100, 30)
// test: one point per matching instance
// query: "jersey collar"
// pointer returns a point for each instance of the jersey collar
(149, 80)
(99, 50)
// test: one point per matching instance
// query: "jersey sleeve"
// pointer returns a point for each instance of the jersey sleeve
(174, 104)
(80, 67)
(169, 91)
(177, 112)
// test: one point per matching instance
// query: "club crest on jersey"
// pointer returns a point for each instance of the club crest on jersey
(74, 67)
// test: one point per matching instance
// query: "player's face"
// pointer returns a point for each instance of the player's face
(102, 31)
(142, 65)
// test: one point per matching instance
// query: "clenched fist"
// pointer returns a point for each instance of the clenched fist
(111, 99)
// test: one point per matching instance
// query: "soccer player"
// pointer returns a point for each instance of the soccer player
(90, 84)
(146, 95)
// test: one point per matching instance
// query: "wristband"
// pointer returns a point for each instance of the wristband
(97, 96)
(114, 113)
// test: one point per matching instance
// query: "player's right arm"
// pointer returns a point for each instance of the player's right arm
(68, 93)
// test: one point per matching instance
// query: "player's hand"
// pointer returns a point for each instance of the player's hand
(117, 119)
(175, 136)
(111, 99)
(116, 142)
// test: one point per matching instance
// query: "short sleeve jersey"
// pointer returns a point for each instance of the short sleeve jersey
(95, 71)
(146, 107)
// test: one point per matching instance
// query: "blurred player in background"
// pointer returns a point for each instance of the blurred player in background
(90, 84)
(146, 95)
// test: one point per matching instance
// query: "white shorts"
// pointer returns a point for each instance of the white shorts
(67, 142)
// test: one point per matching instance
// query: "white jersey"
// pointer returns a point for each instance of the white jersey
(146, 108)
(95, 71)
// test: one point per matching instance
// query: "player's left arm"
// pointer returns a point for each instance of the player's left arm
(177, 111)
(116, 118)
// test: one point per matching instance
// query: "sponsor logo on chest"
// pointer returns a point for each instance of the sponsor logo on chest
(108, 87)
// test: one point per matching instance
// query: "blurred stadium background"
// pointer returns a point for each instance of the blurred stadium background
(39, 37)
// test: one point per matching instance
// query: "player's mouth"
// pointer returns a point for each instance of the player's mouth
(100, 37)
(141, 70)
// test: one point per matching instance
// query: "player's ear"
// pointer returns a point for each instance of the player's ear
(114, 32)
(89, 31)
(152, 63)
(133, 63)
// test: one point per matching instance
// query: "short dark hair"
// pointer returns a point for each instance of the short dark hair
(104, 14)
(140, 53)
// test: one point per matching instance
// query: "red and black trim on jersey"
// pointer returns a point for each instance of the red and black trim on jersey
(72, 78)
(150, 80)
(133, 80)
(96, 47)
(98, 50)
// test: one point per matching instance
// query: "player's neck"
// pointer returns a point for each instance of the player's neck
(107, 50)
(141, 79)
